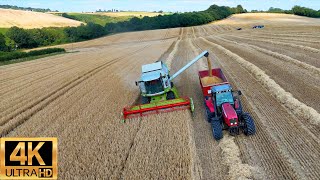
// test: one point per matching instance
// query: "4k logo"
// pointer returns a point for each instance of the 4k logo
(28, 158)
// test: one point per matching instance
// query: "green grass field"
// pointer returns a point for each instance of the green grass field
(98, 19)
(3, 30)
(2, 63)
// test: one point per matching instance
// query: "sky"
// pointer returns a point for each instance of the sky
(156, 5)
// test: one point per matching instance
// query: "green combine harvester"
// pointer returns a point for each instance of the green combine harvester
(158, 93)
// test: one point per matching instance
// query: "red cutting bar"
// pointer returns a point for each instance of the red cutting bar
(127, 112)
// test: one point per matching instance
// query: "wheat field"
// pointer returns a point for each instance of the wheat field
(30, 20)
(78, 97)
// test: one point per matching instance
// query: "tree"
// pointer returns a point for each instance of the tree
(21, 37)
(303, 11)
(239, 9)
(3, 46)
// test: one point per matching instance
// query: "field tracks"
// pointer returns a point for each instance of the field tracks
(306, 48)
(312, 69)
(12, 120)
(295, 106)
(271, 37)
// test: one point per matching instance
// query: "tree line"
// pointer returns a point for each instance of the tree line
(213, 13)
(297, 10)
(25, 8)
(20, 38)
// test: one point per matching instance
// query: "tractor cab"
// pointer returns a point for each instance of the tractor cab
(222, 94)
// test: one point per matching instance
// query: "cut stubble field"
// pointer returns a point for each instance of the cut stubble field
(78, 97)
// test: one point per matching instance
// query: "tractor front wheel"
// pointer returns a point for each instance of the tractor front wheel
(248, 124)
(216, 129)
(170, 95)
(209, 115)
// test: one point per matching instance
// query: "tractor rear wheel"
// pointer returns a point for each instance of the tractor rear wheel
(170, 95)
(216, 129)
(145, 100)
(248, 124)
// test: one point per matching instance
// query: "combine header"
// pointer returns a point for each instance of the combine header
(158, 93)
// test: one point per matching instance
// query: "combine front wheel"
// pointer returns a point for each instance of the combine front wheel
(170, 95)
(145, 100)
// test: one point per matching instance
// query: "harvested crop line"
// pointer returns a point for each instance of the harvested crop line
(194, 35)
(306, 66)
(172, 54)
(205, 31)
(281, 38)
(181, 33)
(231, 156)
(298, 108)
(307, 48)
(196, 169)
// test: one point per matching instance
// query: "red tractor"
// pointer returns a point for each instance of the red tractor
(223, 106)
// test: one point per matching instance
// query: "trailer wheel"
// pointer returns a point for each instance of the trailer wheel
(248, 124)
(170, 95)
(216, 129)
(145, 100)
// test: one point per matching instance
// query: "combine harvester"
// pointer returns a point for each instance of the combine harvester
(158, 94)
(223, 106)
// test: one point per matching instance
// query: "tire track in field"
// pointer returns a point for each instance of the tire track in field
(6, 125)
(301, 55)
(291, 36)
(26, 65)
(206, 148)
(23, 96)
(282, 72)
(312, 69)
(57, 82)
(297, 107)
(300, 42)
(56, 70)
(272, 37)
(305, 48)
(74, 61)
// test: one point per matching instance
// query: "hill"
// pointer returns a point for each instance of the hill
(29, 19)
(267, 18)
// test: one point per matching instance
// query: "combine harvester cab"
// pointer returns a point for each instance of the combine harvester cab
(157, 91)
(223, 106)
